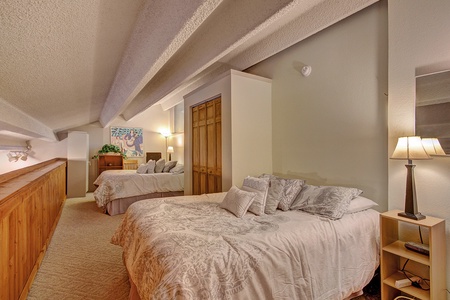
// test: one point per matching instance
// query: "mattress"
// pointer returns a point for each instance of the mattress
(119, 184)
(190, 248)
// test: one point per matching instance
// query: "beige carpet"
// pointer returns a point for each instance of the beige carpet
(80, 262)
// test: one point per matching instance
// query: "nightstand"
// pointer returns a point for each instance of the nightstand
(394, 255)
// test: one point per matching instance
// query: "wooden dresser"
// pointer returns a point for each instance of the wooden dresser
(109, 162)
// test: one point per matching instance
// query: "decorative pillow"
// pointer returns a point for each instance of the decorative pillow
(151, 166)
(260, 186)
(237, 201)
(178, 169)
(273, 194)
(142, 169)
(328, 201)
(159, 167)
(360, 203)
(290, 190)
(169, 165)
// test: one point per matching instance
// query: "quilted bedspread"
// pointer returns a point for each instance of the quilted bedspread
(190, 248)
(116, 184)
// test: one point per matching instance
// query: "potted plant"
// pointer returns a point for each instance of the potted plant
(109, 148)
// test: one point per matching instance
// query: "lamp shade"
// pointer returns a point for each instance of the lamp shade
(432, 146)
(170, 149)
(410, 148)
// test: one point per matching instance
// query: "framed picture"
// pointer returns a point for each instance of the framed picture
(129, 140)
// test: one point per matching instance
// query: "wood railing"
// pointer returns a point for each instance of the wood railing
(31, 201)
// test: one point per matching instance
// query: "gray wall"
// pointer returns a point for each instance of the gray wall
(331, 128)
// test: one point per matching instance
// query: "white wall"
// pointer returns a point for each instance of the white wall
(153, 121)
(41, 151)
(331, 128)
(419, 43)
(246, 138)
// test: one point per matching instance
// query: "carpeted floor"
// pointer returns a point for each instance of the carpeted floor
(80, 262)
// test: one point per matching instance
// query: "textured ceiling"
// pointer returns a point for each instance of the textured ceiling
(69, 63)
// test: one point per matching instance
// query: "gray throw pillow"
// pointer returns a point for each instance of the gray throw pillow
(273, 194)
(159, 167)
(169, 165)
(142, 169)
(290, 190)
(178, 169)
(328, 201)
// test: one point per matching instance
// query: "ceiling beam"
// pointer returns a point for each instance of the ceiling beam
(17, 121)
(161, 29)
(231, 24)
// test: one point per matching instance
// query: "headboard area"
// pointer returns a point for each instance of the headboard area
(152, 155)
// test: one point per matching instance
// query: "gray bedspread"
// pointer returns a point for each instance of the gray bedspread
(190, 248)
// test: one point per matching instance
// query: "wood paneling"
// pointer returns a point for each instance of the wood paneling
(207, 147)
(30, 206)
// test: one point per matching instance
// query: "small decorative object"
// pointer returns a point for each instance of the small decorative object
(109, 148)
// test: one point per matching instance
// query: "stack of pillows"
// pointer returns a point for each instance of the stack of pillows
(160, 166)
(267, 193)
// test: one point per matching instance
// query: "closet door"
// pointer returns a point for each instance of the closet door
(214, 159)
(206, 148)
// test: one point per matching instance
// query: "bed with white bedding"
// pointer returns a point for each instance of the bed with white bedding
(118, 189)
(191, 248)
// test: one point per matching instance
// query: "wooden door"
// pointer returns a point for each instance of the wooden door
(207, 147)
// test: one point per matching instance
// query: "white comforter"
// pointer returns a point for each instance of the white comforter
(190, 248)
(116, 184)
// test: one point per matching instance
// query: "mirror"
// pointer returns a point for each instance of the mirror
(433, 107)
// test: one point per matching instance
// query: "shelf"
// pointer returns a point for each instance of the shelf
(394, 254)
(398, 248)
(410, 290)
(427, 222)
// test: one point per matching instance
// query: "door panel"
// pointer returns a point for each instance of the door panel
(207, 147)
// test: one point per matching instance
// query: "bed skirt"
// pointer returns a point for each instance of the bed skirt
(120, 206)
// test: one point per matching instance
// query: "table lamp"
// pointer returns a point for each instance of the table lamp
(170, 151)
(433, 147)
(409, 148)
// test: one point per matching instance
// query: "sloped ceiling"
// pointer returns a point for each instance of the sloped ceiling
(65, 64)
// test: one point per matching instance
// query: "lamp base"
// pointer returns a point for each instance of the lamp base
(417, 216)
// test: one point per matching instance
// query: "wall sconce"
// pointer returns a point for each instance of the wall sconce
(170, 151)
(16, 152)
(13, 156)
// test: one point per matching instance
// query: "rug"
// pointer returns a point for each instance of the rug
(80, 262)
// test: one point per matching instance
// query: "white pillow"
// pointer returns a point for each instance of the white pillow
(237, 201)
(151, 166)
(360, 203)
(160, 165)
(260, 186)
(178, 169)
(142, 169)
